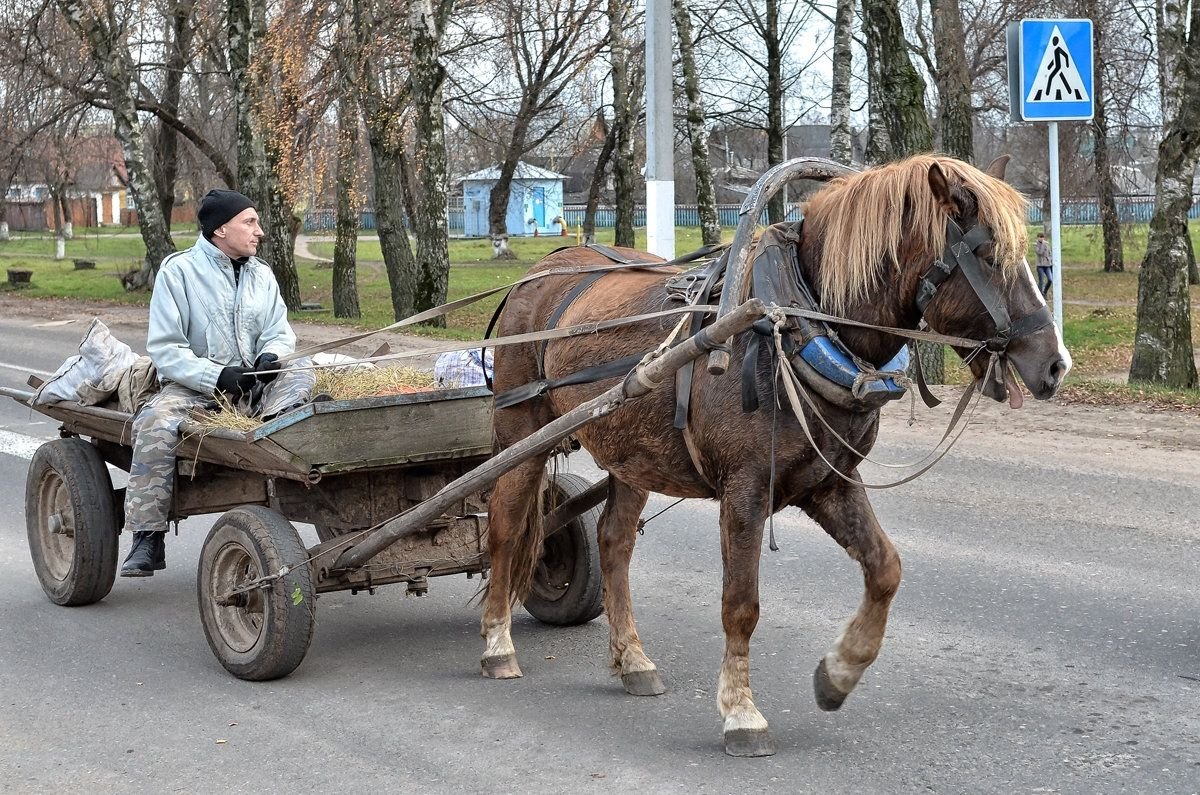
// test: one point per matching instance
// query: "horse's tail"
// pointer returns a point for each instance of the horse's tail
(527, 536)
(526, 545)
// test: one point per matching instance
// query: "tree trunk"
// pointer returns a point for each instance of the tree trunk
(258, 152)
(114, 60)
(775, 120)
(345, 280)
(597, 183)
(426, 74)
(1114, 258)
(953, 80)
(840, 141)
(1162, 347)
(898, 123)
(389, 223)
(901, 91)
(166, 148)
(706, 196)
(624, 121)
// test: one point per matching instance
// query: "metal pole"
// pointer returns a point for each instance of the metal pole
(660, 156)
(1055, 226)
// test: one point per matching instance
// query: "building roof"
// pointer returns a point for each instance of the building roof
(524, 171)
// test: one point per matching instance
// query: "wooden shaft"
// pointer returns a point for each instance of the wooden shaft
(642, 380)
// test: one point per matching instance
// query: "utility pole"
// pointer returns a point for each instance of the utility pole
(660, 155)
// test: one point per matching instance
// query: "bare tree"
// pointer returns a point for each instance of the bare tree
(955, 115)
(517, 103)
(345, 281)
(706, 197)
(1114, 257)
(624, 118)
(1162, 348)
(839, 95)
(104, 34)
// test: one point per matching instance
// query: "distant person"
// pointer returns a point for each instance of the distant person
(1045, 265)
(217, 324)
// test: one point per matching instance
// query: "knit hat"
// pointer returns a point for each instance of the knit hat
(218, 207)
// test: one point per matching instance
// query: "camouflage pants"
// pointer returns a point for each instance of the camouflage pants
(148, 497)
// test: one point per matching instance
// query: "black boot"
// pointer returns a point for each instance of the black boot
(148, 555)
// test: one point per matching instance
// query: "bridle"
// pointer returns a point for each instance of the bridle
(960, 253)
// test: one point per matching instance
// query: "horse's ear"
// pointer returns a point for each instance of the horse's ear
(996, 169)
(940, 187)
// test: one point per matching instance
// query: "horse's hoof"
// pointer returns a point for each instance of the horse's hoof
(643, 683)
(829, 698)
(502, 667)
(749, 742)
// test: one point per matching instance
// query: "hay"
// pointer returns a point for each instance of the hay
(346, 384)
(340, 384)
(226, 417)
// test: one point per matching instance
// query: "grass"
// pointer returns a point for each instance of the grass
(1099, 332)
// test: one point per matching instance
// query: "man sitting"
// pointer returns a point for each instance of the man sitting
(217, 323)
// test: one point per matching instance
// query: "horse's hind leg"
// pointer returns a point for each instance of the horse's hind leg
(513, 511)
(743, 511)
(846, 514)
(618, 527)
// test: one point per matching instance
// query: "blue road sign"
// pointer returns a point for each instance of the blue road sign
(1056, 57)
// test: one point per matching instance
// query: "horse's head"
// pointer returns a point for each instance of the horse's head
(980, 287)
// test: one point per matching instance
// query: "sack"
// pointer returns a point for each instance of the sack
(91, 376)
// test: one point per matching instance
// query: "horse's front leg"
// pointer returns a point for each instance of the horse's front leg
(618, 529)
(743, 512)
(845, 513)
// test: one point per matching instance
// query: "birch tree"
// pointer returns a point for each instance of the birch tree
(840, 142)
(706, 197)
(624, 119)
(104, 35)
(955, 116)
(1114, 257)
(1162, 348)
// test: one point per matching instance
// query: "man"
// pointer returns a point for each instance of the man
(217, 323)
(1045, 266)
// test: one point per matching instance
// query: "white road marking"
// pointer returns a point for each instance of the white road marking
(18, 444)
(21, 368)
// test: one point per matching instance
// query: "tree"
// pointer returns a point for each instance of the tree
(624, 119)
(105, 39)
(955, 115)
(1162, 348)
(519, 101)
(839, 95)
(706, 197)
(898, 124)
(1114, 257)
(426, 22)
(345, 282)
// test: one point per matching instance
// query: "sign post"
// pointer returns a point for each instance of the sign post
(1050, 78)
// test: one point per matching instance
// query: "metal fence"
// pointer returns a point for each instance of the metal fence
(1130, 210)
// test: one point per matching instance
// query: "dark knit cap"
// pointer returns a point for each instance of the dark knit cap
(218, 207)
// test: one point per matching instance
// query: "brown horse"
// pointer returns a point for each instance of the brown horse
(867, 242)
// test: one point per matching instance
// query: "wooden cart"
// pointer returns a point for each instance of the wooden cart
(343, 466)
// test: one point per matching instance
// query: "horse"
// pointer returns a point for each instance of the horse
(866, 248)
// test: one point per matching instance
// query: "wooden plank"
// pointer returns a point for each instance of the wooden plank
(388, 431)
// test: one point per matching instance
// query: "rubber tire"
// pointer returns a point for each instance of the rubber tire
(269, 542)
(80, 470)
(575, 548)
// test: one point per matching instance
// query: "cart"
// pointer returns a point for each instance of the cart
(395, 486)
(343, 466)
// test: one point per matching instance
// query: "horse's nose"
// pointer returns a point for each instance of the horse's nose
(1056, 374)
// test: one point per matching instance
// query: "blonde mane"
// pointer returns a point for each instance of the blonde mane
(864, 223)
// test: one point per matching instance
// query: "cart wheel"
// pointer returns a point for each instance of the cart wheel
(261, 633)
(71, 522)
(567, 588)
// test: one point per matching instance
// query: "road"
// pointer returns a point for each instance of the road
(1046, 638)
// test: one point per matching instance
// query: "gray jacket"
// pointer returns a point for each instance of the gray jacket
(201, 321)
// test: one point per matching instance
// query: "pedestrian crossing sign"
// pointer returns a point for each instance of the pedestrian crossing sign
(1055, 58)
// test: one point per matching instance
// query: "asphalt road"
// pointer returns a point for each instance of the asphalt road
(1046, 638)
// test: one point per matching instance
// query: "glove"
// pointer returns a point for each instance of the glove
(267, 362)
(236, 381)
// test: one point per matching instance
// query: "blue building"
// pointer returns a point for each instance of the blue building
(534, 202)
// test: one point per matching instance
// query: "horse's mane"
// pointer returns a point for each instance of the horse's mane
(864, 221)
